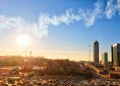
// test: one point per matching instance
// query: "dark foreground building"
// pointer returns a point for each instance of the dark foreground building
(115, 51)
(96, 52)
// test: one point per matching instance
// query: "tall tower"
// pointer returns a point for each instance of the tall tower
(96, 52)
(112, 55)
(105, 58)
(115, 55)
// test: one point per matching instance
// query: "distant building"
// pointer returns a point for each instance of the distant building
(115, 50)
(105, 59)
(112, 55)
(96, 52)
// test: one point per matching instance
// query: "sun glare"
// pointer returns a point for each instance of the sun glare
(23, 40)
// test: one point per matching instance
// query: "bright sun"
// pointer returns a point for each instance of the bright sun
(23, 40)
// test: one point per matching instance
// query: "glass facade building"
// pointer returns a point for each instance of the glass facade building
(96, 52)
(105, 59)
(115, 50)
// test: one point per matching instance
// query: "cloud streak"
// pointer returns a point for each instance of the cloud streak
(113, 7)
(41, 27)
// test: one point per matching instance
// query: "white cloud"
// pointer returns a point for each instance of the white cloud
(110, 9)
(20, 25)
(92, 15)
(40, 28)
(118, 6)
(113, 7)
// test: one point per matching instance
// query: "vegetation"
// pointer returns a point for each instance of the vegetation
(46, 66)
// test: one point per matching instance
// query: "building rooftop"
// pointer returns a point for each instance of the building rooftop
(115, 44)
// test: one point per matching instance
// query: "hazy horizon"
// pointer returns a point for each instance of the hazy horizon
(58, 29)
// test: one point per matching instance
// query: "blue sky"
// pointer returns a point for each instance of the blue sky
(59, 28)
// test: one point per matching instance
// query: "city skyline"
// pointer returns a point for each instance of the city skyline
(59, 29)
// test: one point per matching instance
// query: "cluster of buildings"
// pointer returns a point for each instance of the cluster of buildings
(115, 55)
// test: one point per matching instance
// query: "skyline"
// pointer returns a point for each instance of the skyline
(59, 29)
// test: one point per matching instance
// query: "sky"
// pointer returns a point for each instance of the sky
(62, 29)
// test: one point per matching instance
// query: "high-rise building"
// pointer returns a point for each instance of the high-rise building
(115, 50)
(104, 59)
(112, 55)
(96, 52)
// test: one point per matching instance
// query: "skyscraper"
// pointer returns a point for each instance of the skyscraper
(96, 52)
(115, 50)
(105, 58)
(112, 55)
